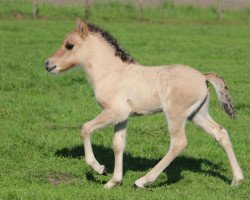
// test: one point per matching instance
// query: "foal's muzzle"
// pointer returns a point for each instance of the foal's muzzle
(49, 69)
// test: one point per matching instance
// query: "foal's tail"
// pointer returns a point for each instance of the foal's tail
(222, 92)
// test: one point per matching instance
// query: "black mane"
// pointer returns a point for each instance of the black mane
(125, 57)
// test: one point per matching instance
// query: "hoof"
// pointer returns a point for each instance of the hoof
(108, 186)
(111, 184)
(105, 171)
(236, 183)
(135, 186)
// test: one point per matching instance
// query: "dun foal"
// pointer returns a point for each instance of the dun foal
(124, 88)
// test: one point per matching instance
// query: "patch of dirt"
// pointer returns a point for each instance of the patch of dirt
(18, 15)
(58, 178)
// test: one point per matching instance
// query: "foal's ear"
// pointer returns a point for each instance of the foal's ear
(82, 27)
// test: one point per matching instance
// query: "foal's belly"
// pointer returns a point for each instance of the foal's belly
(140, 112)
(145, 106)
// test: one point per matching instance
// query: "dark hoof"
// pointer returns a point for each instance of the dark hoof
(136, 186)
(105, 172)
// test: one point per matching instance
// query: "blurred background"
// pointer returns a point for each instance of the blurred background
(148, 10)
(226, 4)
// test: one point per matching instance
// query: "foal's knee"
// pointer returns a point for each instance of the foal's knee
(178, 145)
(85, 131)
(119, 143)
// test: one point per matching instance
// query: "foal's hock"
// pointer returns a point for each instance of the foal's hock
(124, 88)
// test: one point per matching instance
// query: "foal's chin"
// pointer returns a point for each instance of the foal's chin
(54, 72)
(63, 68)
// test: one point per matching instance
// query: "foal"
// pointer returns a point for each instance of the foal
(124, 88)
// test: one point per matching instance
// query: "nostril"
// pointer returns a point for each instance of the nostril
(46, 63)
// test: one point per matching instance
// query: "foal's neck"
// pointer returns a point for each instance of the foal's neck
(101, 59)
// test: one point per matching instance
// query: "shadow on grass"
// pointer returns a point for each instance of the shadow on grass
(173, 171)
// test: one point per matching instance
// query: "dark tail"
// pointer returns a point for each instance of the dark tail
(222, 92)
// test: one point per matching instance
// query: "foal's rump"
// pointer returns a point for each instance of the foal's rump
(183, 90)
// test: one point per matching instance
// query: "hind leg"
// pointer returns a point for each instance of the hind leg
(204, 120)
(178, 142)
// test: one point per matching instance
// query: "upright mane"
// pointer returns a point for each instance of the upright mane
(125, 56)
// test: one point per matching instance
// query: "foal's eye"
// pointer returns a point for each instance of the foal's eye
(69, 46)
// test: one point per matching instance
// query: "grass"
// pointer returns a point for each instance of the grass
(41, 115)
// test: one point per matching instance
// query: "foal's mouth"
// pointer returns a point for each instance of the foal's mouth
(50, 69)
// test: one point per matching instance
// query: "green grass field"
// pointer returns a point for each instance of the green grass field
(41, 153)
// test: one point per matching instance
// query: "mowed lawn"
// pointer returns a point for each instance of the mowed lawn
(41, 115)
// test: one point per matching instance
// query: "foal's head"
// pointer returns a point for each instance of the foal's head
(76, 48)
(68, 55)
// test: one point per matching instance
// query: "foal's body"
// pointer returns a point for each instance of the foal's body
(124, 88)
(152, 89)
